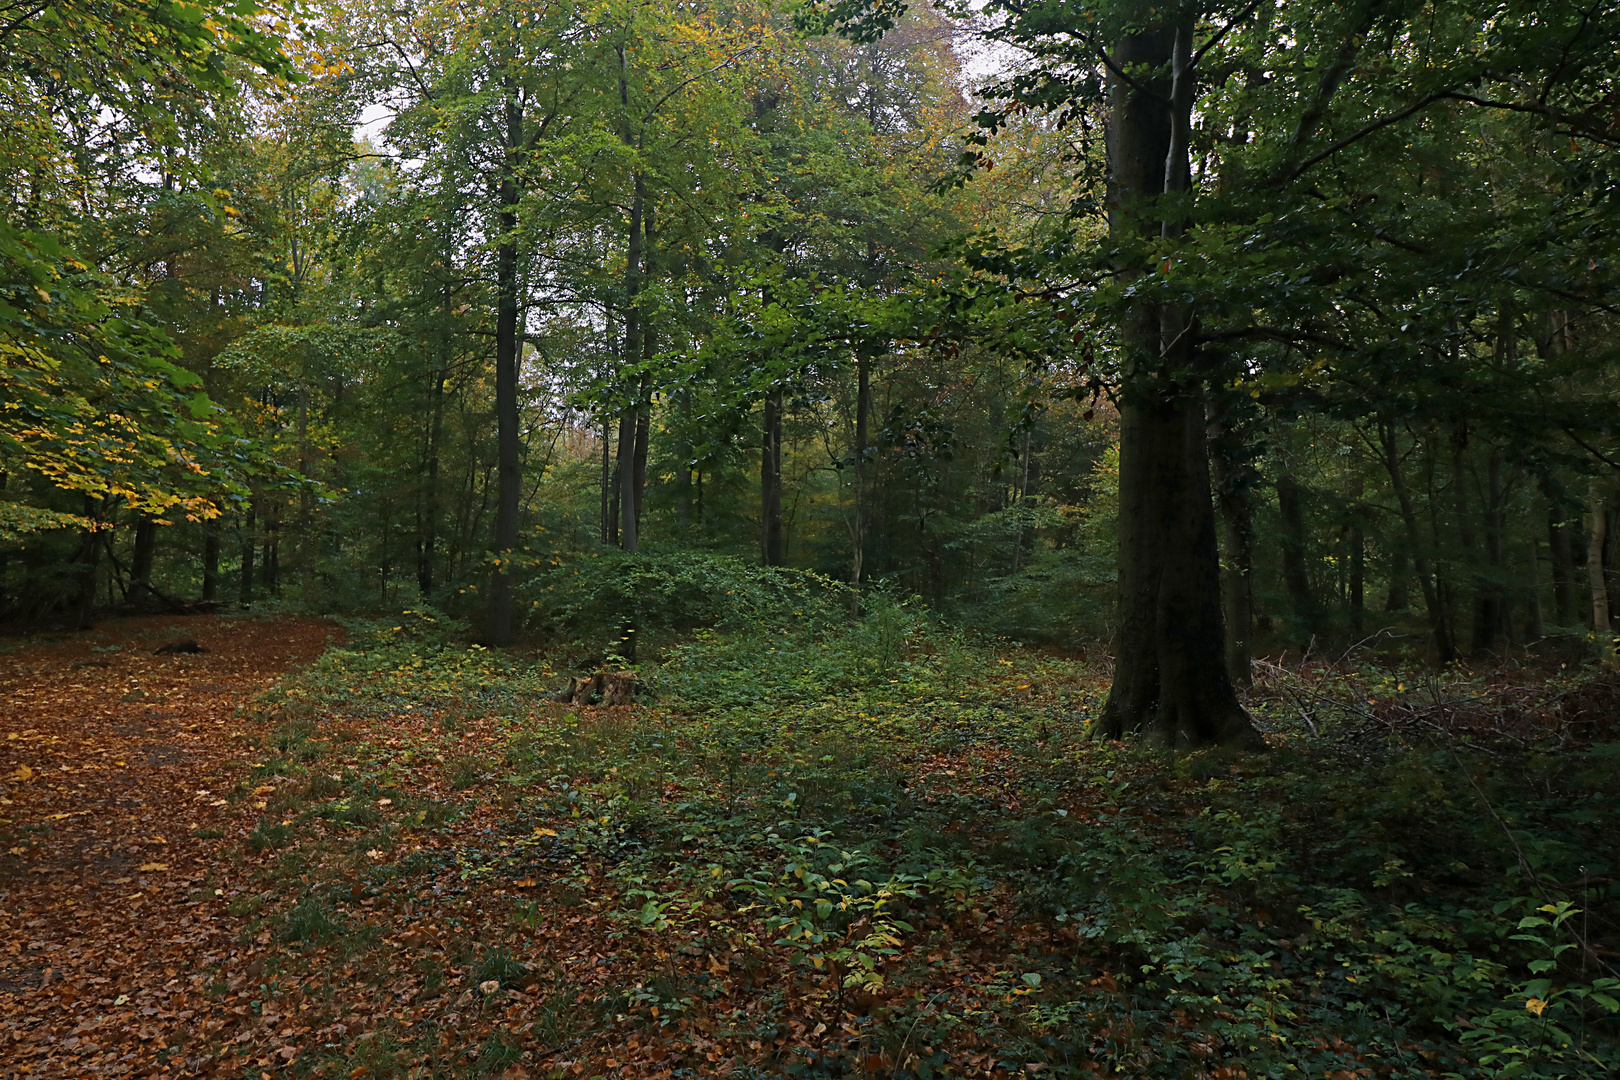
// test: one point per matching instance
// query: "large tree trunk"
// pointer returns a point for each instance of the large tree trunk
(140, 563)
(1170, 678)
(498, 619)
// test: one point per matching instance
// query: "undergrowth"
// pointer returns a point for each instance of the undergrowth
(884, 846)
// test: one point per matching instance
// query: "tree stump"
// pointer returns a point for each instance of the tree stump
(602, 688)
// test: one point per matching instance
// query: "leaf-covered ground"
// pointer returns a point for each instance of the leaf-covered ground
(117, 841)
(820, 850)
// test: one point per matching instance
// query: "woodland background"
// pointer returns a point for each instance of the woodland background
(925, 403)
(738, 281)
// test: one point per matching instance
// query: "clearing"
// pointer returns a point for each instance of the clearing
(821, 850)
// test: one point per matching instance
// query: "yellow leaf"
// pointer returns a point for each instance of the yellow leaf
(23, 773)
(545, 832)
(17, 851)
(151, 866)
(1536, 1005)
(526, 883)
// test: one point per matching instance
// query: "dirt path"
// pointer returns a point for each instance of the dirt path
(114, 763)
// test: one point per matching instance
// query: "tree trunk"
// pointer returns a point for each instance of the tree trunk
(1532, 606)
(89, 558)
(1170, 679)
(1358, 576)
(245, 582)
(210, 582)
(630, 419)
(1561, 549)
(498, 620)
(1433, 600)
(1397, 599)
(305, 500)
(1490, 602)
(863, 420)
(430, 498)
(1596, 530)
(1234, 500)
(770, 481)
(140, 563)
(1296, 573)
(270, 570)
(608, 535)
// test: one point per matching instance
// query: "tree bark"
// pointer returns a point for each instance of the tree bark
(498, 620)
(1434, 602)
(245, 582)
(1296, 573)
(1596, 530)
(430, 496)
(1491, 609)
(140, 563)
(1170, 678)
(607, 482)
(770, 481)
(210, 581)
(863, 420)
(1234, 499)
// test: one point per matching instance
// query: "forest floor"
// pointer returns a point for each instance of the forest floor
(876, 852)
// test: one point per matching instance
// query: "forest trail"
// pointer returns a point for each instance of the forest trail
(112, 818)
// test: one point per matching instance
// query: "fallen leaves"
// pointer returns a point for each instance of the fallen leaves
(95, 783)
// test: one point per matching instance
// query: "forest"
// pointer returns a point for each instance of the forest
(818, 538)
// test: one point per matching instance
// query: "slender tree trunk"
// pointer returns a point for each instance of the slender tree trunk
(630, 419)
(608, 535)
(1491, 604)
(1358, 576)
(270, 571)
(89, 559)
(210, 582)
(498, 620)
(1397, 598)
(245, 581)
(1596, 528)
(863, 415)
(1532, 608)
(649, 349)
(1170, 677)
(683, 473)
(1561, 550)
(430, 510)
(305, 503)
(1296, 573)
(770, 481)
(1439, 619)
(1234, 500)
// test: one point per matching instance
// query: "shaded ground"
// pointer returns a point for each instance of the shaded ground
(114, 830)
(837, 852)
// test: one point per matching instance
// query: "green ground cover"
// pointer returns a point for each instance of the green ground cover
(825, 848)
